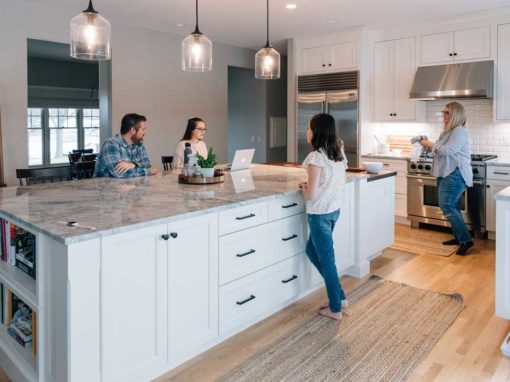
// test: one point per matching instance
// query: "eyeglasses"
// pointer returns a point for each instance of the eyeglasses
(201, 130)
(445, 113)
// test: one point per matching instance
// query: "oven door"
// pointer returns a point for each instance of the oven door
(423, 201)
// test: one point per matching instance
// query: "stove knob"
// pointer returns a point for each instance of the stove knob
(420, 167)
(428, 167)
(413, 166)
(475, 171)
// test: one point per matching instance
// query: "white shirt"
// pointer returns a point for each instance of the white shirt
(199, 147)
(331, 183)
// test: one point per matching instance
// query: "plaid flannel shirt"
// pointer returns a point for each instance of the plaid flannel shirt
(115, 150)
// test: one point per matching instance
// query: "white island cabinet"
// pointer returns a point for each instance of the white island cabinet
(157, 274)
(503, 253)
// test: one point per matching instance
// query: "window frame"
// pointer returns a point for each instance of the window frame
(46, 134)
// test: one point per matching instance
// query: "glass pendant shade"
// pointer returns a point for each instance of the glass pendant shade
(267, 59)
(267, 64)
(196, 52)
(90, 36)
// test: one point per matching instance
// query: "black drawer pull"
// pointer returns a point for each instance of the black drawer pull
(289, 280)
(252, 297)
(245, 217)
(289, 238)
(246, 253)
(501, 173)
(290, 205)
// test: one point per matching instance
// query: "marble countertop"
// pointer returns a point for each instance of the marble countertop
(389, 156)
(503, 195)
(501, 160)
(105, 206)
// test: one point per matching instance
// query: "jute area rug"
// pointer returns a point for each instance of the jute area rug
(422, 241)
(385, 333)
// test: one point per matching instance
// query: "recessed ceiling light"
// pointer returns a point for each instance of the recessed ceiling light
(179, 25)
(291, 6)
(332, 21)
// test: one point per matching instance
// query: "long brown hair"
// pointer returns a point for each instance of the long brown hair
(325, 136)
(456, 116)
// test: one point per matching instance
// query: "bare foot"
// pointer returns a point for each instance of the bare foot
(326, 312)
(345, 304)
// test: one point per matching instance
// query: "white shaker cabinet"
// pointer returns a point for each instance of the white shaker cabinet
(329, 58)
(503, 258)
(498, 178)
(395, 67)
(449, 47)
(160, 292)
(192, 279)
(503, 74)
(133, 304)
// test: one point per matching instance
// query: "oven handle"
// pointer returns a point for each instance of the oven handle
(424, 177)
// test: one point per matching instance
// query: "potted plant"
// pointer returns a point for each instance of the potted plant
(207, 164)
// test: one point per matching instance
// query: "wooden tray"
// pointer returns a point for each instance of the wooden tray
(200, 180)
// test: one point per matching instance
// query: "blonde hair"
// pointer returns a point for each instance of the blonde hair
(457, 116)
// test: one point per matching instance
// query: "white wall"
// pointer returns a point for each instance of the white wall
(146, 79)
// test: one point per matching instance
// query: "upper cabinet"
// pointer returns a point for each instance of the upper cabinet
(465, 45)
(394, 69)
(502, 102)
(329, 58)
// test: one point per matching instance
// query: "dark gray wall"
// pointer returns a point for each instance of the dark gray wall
(276, 106)
(62, 74)
(246, 113)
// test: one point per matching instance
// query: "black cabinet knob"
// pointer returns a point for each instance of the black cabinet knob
(323, 65)
(165, 236)
(488, 186)
(455, 54)
(329, 64)
(451, 54)
(174, 234)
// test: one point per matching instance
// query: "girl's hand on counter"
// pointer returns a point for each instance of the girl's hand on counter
(303, 185)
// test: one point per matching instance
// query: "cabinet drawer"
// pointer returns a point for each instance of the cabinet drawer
(255, 296)
(498, 173)
(242, 253)
(243, 217)
(395, 165)
(248, 251)
(288, 237)
(286, 206)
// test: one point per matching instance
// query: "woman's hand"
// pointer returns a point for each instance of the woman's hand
(426, 143)
(303, 185)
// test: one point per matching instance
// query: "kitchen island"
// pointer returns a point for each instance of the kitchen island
(136, 276)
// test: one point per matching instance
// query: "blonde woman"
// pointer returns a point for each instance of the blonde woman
(452, 167)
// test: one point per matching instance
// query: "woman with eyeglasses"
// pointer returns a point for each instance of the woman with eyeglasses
(193, 135)
(452, 167)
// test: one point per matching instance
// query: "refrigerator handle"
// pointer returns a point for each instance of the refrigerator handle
(325, 106)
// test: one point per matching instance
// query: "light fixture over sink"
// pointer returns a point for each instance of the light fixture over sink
(267, 59)
(90, 36)
(196, 50)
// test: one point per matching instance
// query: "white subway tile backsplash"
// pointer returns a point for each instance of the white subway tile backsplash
(487, 137)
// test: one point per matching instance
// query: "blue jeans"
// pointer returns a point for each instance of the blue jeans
(450, 189)
(320, 251)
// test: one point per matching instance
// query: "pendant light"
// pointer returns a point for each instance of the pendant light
(196, 50)
(90, 36)
(267, 59)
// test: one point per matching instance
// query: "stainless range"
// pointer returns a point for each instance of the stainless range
(422, 195)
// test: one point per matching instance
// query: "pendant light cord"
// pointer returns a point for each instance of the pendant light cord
(197, 31)
(267, 25)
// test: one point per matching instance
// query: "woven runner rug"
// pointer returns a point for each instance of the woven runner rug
(385, 333)
(422, 241)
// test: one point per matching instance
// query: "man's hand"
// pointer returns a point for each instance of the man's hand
(153, 170)
(122, 167)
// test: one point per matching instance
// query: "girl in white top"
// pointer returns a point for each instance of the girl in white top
(193, 135)
(323, 192)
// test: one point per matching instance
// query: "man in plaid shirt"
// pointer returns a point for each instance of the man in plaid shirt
(124, 155)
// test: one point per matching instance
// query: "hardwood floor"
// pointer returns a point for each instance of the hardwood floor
(468, 351)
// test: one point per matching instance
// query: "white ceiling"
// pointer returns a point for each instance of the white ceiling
(242, 22)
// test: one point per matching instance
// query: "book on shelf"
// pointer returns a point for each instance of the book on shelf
(25, 257)
(21, 322)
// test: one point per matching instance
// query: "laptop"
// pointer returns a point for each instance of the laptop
(242, 160)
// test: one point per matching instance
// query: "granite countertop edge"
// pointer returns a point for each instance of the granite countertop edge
(503, 195)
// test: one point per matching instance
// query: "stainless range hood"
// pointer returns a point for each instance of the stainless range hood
(467, 80)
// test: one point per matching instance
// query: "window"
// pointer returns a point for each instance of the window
(54, 132)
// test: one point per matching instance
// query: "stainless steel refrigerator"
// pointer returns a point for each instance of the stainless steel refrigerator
(341, 104)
